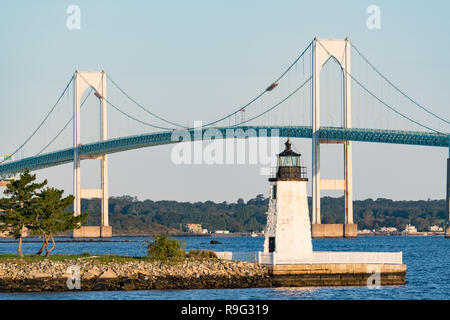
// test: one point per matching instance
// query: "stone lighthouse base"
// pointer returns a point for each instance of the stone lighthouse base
(319, 275)
(333, 268)
(328, 268)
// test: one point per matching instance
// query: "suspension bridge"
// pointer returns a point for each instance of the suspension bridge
(322, 95)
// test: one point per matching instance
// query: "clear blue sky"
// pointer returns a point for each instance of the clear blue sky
(199, 59)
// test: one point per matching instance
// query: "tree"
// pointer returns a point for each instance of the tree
(52, 217)
(20, 209)
(368, 218)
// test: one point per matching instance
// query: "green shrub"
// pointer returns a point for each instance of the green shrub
(161, 247)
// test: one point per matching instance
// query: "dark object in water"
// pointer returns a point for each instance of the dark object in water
(215, 242)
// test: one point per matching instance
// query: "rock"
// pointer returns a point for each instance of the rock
(38, 275)
(215, 242)
(108, 274)
(46, 275)
(88, 275)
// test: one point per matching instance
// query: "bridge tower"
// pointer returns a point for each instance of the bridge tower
(97, 81)
(322, 50)
(447, 198)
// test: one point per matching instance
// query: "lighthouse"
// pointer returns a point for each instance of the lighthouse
(288, 228)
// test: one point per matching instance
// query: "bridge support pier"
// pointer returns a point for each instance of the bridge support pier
(97, 81)
(447, 205)
(340, 51)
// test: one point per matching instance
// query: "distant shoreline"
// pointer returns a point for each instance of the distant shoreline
(230, 235)
(401, 234)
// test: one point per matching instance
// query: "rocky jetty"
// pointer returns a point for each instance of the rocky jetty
(91, 274)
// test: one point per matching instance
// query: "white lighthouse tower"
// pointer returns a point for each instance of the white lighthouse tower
(288, 228)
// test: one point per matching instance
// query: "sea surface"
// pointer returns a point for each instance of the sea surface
(427, 259)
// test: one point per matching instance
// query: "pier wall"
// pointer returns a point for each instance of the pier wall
(316, 275)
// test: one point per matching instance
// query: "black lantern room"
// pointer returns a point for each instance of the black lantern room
(289, 168)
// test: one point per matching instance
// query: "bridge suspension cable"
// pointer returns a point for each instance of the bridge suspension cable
(277, 104)
(123, 112)
(248, 120)
(141, 106)
(262, 93)
(377, 98)
(397, 88)
(209, 123)
(65, 126)
(217, 120)
(135, 119)
(45, 118)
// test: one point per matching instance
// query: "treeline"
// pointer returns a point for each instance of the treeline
(374, 214)
(130, 216)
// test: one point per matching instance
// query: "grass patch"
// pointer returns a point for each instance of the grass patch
(62, 257)
(34, 258)
(108, 258)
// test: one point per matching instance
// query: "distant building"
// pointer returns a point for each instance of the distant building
(410, 229)
(436, 229)
(365, 231)
(194, 227)
(388, 229)
(222, 231)
(5, 233)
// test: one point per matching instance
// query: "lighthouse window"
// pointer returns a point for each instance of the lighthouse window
(271, 244)
(289, 161)
(274, 192)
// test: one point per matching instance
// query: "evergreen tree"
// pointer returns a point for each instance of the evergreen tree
(53, 218)
(19, 210)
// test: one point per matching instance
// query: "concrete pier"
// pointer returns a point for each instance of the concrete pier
(334, 230)
(316, 275)
(447, 198)
(92, 232)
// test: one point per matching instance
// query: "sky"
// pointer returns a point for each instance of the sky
(195, 60)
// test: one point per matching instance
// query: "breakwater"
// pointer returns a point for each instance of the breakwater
(93, 275)
(97, 275)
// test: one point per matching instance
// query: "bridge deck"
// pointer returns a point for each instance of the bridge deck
(160, 138)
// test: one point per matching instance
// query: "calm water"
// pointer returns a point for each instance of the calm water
(427, 260)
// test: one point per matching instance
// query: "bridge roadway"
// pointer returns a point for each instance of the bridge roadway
(59, 157)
